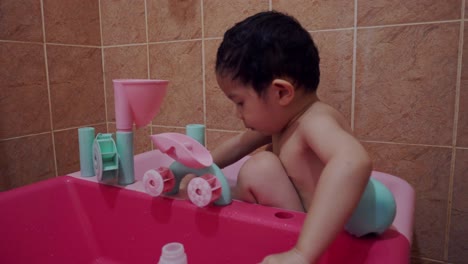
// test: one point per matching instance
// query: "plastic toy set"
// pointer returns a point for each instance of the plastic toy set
(111, 161)
(137, 101)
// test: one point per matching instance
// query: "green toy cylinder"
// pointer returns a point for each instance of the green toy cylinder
(126, 163)
(197, 132)
(85, 141)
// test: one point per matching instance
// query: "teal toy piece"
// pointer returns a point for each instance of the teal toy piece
(85, 141)
(197, 132)
(179, 170)
(126, 163)
(375, 212)
(191, 157)
(105, 157)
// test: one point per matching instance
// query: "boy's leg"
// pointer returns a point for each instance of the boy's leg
(262, 179)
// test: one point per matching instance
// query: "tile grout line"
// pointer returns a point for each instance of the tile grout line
(53, 131)
(406, 144)
(353, 77)
(413, 24)
(449, 204)
(103, 67)
(228, 131)
(220, 37)
(148, 60)
(330, 30)
(213, 38)
(25, 136)
(46, 64)
(185, 40)
(203, 62)
(21, 42)
(454, 132)
(176, 41)
(74, 45)
(147, 42)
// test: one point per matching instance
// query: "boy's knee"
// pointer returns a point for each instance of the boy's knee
(260, 163)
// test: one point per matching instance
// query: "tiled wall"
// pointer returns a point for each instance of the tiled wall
(395, 69)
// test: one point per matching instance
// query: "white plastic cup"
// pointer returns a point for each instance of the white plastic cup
(173, 253)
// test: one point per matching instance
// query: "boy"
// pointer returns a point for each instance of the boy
(268, 66)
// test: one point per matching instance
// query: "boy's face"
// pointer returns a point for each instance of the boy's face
(254, 110)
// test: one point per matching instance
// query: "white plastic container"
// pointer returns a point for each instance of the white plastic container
(173, 253)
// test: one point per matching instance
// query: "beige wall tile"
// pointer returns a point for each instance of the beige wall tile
(72, 22)
(181, 64)
(67, 149)
(466, 8)
(221, 15)
(123, 21)
(21, 20)
(336, 68)
(316, 14)
(76, 86)
(214, 137)
(159, 130)
(174, 20)
(458, 246)
(129, 62)
(383, 12)
(24, 107)
(26, 160)
(427, 169)
(402, 94)
(462, 133)
(220, 111)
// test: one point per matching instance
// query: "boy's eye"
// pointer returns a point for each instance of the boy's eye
(240, 104)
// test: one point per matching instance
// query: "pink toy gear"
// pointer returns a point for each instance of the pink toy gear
(204, 189)
(158, 181)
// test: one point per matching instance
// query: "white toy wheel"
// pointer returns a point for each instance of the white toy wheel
(153, 183)
(200, 192)
(97, 161)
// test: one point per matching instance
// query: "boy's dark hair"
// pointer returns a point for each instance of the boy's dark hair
(266, 46)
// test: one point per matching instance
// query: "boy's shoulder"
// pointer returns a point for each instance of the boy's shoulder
(320, 109)
(319, 113)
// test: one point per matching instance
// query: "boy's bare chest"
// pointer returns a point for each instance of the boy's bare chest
(300, 161)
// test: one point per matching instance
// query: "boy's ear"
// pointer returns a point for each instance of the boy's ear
(283, 91)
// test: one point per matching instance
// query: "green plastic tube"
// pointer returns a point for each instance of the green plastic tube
(197, 132)
(85, 141)
(126, 163)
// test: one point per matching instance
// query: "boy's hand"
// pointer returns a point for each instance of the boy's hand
(293, 256)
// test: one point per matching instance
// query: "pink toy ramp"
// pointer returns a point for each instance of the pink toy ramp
(69, 220)
(183, 149)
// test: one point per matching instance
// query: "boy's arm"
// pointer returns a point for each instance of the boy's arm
(238, 146)
(339, 189)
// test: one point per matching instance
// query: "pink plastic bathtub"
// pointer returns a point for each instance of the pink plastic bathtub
(71, 220)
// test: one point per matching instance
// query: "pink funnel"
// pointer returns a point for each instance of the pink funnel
(137, 101)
